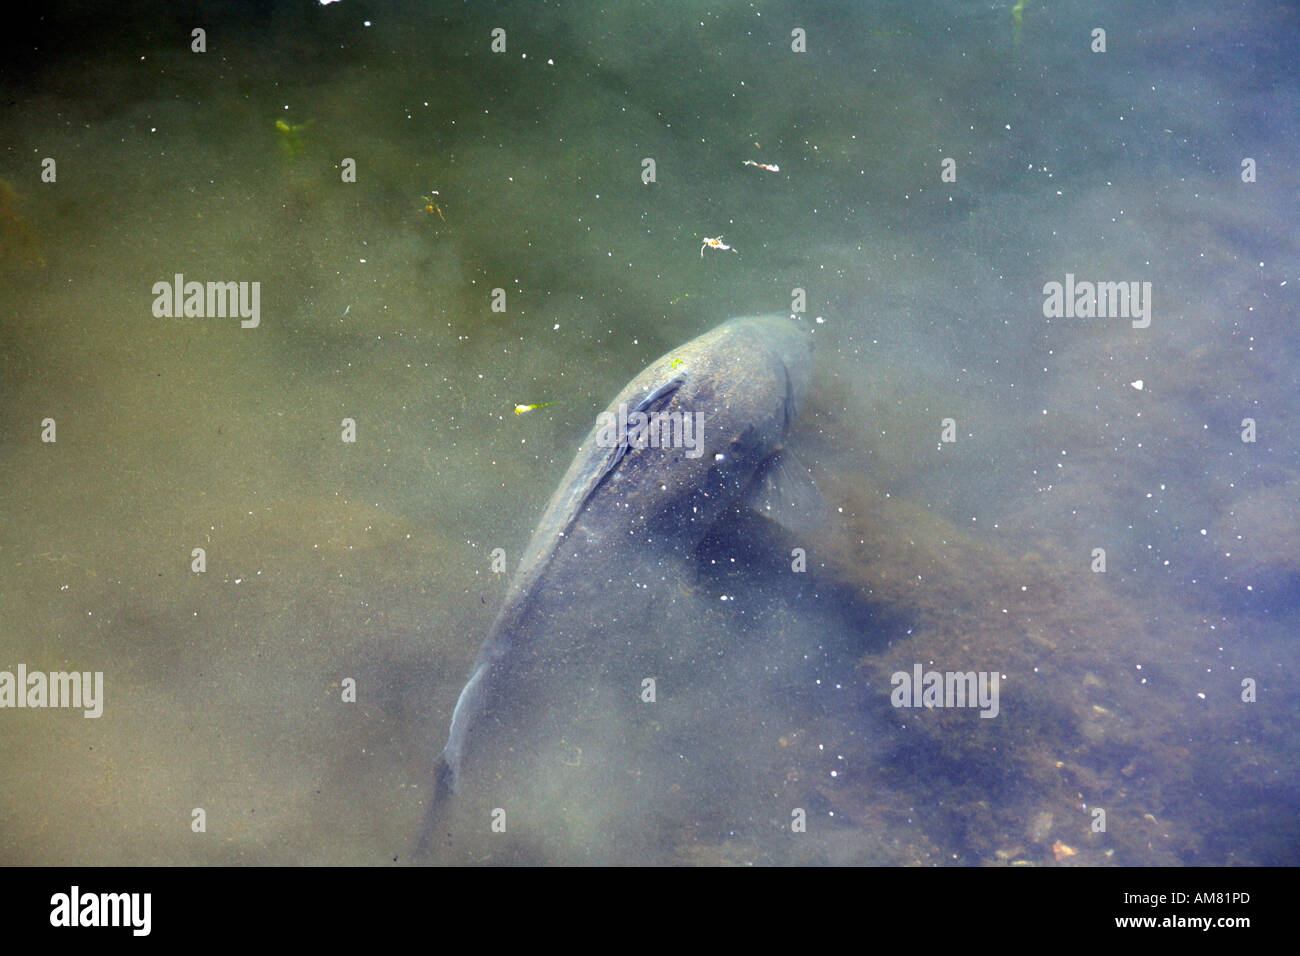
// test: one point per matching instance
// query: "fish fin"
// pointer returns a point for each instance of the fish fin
(783, 491)
(653, 401)
(604, 449)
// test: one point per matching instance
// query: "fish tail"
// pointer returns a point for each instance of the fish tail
(444, 780)
(444, 785)
(446, 771)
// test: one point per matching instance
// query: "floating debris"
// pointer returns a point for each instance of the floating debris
(431, 206)
(715, 244)
(770, 167)
(520, 409)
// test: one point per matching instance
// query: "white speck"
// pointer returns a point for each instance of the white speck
(1137, 384)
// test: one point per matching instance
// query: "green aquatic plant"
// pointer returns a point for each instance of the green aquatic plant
(521, 409)
(1017, 18)
(20, 243)
(291, 137)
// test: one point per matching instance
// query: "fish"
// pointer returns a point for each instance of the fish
(700, 432)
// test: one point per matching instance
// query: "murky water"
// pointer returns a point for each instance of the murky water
(329, 561)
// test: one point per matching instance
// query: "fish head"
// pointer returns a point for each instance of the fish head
(743, 383)
(683, 441)
(751, 374)
(784, 342)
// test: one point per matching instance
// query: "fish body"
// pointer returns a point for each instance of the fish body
(634, 501)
